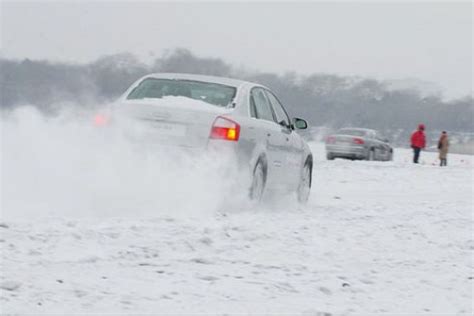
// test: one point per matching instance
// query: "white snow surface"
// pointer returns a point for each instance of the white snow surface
(375, 237)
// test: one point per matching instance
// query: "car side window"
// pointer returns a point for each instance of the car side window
(280, 112)
(261, 105)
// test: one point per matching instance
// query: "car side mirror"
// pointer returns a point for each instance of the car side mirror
(300, 123)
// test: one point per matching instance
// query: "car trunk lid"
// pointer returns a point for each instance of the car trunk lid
(177, 121)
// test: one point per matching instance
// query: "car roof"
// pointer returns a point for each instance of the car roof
(211, 79)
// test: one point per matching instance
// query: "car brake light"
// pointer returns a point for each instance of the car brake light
(101, 120)
(358, 141)
(226, 129)
(331, 140)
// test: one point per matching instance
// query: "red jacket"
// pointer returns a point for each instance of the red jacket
(418, 139)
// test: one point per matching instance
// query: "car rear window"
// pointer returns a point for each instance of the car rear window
(212, 93)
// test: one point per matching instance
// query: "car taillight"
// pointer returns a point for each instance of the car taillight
(358, 141)
(101, 119)
(226, 129)
(331, 140)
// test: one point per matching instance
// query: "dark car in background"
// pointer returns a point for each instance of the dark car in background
(358, 143)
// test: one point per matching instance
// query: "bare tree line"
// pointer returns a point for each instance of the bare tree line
(323, 99)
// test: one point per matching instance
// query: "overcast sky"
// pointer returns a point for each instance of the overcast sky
(429, 41)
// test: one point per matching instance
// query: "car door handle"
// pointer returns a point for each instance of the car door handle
(268, 134)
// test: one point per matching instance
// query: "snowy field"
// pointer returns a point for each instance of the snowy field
(378, 238)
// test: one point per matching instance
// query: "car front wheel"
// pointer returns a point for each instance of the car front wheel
(371, 155)
(258, 182)
(304, 187)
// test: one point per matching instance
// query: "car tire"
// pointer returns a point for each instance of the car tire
(304, 188)
(371, 155)
(329, 156)
(257, 186)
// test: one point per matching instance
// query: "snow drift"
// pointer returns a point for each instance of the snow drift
(375, 238)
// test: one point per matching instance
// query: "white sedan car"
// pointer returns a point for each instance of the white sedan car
(358, 143)
(202, 112)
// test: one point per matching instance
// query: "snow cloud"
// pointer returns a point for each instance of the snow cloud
(53, 165)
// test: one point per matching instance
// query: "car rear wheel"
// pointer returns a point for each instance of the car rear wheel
(258, 182)
(329, 156)
(304, 187)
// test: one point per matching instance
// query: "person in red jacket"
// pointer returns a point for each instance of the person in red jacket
(418, 142)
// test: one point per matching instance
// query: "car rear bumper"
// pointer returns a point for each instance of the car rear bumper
(221, 154)
(349, 151)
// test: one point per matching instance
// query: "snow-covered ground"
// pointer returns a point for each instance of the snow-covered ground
(380, 238)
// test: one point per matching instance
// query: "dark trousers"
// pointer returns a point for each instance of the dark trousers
(443, 162)
(416, 154)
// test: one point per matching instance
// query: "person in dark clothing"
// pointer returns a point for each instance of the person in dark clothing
(418, 142)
